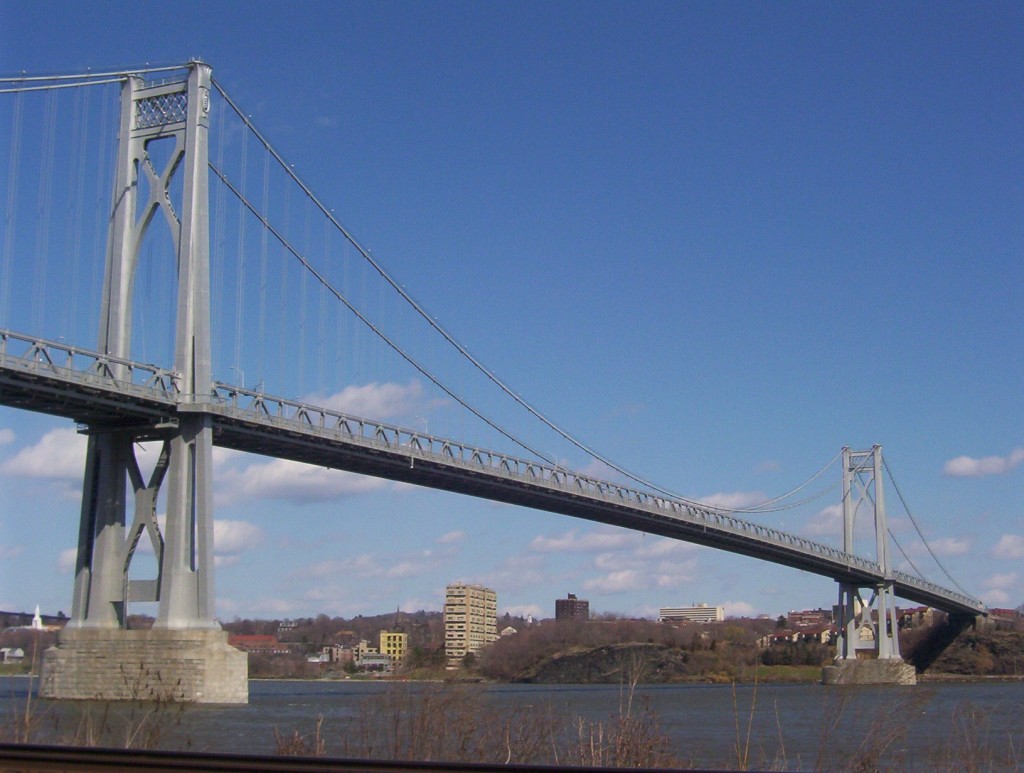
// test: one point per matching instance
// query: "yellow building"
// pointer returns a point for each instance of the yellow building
(394, 644)
(470, 620)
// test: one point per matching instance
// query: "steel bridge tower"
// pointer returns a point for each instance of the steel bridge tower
(868, 645)
(185, 656)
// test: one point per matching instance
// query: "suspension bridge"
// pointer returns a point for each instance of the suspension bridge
(217, 252)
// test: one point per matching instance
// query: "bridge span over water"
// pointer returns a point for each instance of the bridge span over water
(162, 175)
(99, 390)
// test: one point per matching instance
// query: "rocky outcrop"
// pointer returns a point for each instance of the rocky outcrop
(616, 664)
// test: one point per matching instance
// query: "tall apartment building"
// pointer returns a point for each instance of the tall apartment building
(572, 608)
(470, 620)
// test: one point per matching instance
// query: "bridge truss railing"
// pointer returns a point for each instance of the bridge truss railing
(909, 580)
(56, 359)
(329, 423)
(335, 425)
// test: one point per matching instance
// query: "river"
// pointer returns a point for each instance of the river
(950, 726)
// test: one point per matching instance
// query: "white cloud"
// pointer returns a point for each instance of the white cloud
(969, 467)
(6, 552)
(573, 542)
(1009, 546)
(235, 536)
(593, 469)
(6, 436)
(417, 604)
(736, 500)
(276, 606)
(675, 574)
(1003, 581)
(624, 560)
(828, 522)
(521, 610)
(617, 582)
(369, 566)
(950, 546)
(1001, 589)
(516, 573)
(381, 401)
(361, 566)
(612, 561)
(738, 609)
(411, 567)
(451, 537)
(66, 560)
(290, 481)
(997, 597)
(59, 455)
(661, 547)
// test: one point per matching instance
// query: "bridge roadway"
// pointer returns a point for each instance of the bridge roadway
(104, 392)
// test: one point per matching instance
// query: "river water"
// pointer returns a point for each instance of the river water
(950, 726)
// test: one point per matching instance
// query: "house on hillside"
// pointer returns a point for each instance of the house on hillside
(11, 654)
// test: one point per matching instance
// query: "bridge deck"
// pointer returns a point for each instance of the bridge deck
(101, 391)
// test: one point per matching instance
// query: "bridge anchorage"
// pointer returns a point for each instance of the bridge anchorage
(121, 402)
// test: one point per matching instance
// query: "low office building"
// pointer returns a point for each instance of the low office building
(697, 613)
(394, 644)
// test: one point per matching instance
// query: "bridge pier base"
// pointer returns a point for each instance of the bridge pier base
(187, 665)
(872, 671)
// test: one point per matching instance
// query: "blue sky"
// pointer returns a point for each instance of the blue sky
(715, 241)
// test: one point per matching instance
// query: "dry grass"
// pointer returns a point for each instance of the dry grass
(142, 722)
(447, 722)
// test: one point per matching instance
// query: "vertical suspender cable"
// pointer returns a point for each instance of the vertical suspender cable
(238, 377)
(11, 211)
(365, 352)
(78, 164)
(218, 293)
(283, 328)
(340, 344)
(101, 201)
(264, 245)
(321, 385)
(44, 215)
(302, 303)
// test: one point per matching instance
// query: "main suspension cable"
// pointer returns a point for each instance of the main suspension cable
(432, 322)
(450, 339)
(763, 507)
(918, 529)
(113, 75)
(366, 321)
(899, 547)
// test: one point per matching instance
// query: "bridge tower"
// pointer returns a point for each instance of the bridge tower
(185, 656)
(868, 647)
